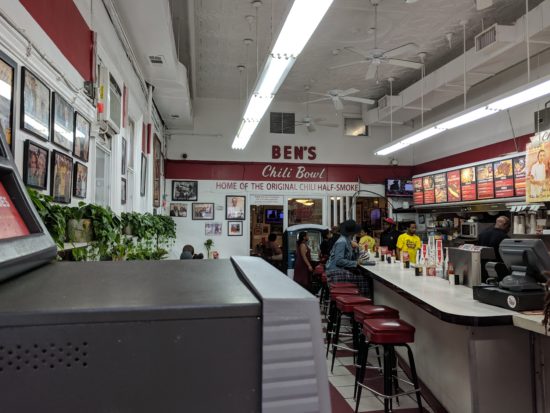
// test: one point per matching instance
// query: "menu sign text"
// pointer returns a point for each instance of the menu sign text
(485, 187)
(504, 178)
(453, 186)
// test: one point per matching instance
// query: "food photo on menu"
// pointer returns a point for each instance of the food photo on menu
(440, 183)
(504, 179)
(453, 186)
(519, 176)
(418, 191)
(429, 194)
(485, 184)
(468, 183)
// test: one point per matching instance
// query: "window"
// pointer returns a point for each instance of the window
(281, 122)
(305, 211)
(102, 182)
(355, 127)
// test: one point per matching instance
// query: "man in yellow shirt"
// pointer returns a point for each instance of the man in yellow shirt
(409, 242)
(366, 242)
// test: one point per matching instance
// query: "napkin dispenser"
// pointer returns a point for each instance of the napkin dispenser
(468, 263)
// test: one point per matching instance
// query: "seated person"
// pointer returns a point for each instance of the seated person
(187, 253)
(273, 250)
(366, 241)
(325, 245)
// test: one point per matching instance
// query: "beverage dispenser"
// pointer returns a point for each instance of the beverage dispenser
(290, 237)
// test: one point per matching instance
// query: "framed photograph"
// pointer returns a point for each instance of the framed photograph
(61, 180)
(234, 228)
(123, 149)
(178, 210)
(35, 106)
(202, 211)
(35, 165)
(214, 228)
(123, 190)
(235, 207)
(62, 122)
(266, 229)
(258, 229)
(143, 176)
(8, 73)
(184, 190)
(80, 181)
(157, 148)
(81, 146)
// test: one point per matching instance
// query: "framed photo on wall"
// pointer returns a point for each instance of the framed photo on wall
(235, 228)
(214, 228)
(35, 106)
(178, 210)
(156, 171)
(80, 180)
(81, 146)
(62, 122)
(123, 150)
(35, 165)
(123, 190)
(61, 180)
(235, 207)
(8, 73)
(202, 211)
(184, 190)
(143, 176)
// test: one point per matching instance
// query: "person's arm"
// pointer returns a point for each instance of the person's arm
(303, 253)
(398, 248)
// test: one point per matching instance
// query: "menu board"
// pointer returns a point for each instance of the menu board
(504, 178)
(429, 193)
(453, 186)
(418, 194)
(485, 187)
(11, 223)
(468, 183)
(440, 183)
(519, 176)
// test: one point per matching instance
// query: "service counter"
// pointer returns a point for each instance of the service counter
(470, 354)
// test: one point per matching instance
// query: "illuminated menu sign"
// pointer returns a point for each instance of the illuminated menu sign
(519, 176)
(440, 182)
(468, 183)
(485, 187)
(504, 178)
(453, 186)
(418, 194)
(11, 223)
(429, 193)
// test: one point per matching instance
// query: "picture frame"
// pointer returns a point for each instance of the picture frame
(61, 177)
(35, 105)
(235, 207)
(258, 229)
(123, 161)
(202, 211)
(8, 75)
(81, 142)
(35, 165)
(234, 228)
(185, 190)
(123, 190)
(62, 122)
(213, 229)
(157, 148)
(143, 176)
(178, 210)
(266, 229)
(80, 180)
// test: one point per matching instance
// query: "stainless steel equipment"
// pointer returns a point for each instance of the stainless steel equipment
(467, 263)
(473, 229)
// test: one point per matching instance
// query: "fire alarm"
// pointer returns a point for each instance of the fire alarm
(100, 107)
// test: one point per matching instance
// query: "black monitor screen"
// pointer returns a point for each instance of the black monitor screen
(399, 187)
(274, 215)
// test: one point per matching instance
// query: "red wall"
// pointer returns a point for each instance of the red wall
(64, 24)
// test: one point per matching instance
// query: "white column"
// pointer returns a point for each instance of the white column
(342, 209)
(335, 211)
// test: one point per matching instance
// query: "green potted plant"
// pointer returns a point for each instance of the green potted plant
(52, 214)
(208, 244)
(79, 223)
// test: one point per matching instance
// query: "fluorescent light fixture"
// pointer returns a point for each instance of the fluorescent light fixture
(302, 20)
(527, 93)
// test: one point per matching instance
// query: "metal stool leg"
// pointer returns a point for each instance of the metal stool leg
(336, 337)
(360, 374)
(414, 377)
(330, 324)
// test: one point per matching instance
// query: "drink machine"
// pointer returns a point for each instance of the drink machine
(290, 237)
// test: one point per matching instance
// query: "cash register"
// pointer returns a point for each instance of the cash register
(232, 335)
(521, 289)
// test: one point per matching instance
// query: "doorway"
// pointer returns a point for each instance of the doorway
(265, 219)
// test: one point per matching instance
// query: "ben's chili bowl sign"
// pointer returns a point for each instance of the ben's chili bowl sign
(298, 172)
(286, 187)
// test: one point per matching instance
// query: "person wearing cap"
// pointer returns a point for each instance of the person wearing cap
(344, 258)
(388, 237)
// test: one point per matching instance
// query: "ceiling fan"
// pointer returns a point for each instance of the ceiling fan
(376, 56)
(310, 123)
(338, 95)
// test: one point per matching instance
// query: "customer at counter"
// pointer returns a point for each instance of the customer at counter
(344, 258)
(388, 237)
(492, 237)
(409, 242)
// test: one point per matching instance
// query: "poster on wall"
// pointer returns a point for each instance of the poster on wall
(418, 194)
(440, 183)
(468, 183)
(7, 82)
(453, 186)
(429, 194)
(538, 187)
(485, 183)
(63, 122)
(519, 176)
(504, 178)
(35, 106)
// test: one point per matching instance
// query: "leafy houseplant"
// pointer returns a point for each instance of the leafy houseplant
(53, 215)
(208, 244)
(79, 223)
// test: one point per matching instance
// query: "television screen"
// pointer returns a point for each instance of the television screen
(274, 215)
(399, 187)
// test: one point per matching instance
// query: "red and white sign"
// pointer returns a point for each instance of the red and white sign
(289, 152)
(11, 223)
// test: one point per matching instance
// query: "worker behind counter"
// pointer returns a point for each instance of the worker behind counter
(492, 237)
(409, 242)
(388, 237)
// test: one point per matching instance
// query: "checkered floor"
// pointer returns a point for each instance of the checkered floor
(342, 380)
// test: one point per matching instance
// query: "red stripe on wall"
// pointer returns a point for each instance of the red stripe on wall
(64, 24)
(254, 171)
(475, 155)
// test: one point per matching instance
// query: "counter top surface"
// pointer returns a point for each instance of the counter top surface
(530, 322)
(454, 304)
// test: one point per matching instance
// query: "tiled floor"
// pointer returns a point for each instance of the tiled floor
(342, 381)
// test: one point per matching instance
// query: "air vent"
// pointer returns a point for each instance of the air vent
(157, 60)
(42, 356)
(282, 122)
(382, 102)
(494, 37)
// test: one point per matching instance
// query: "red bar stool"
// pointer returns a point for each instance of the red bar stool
(345, 305)
(342, 284)
(360, 314)
(335, 292)
(390, 334)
